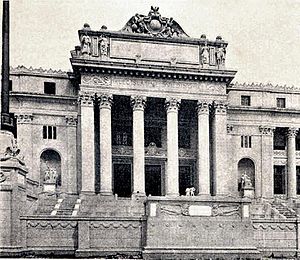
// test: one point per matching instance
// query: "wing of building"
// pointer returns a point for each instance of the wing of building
(147, 149)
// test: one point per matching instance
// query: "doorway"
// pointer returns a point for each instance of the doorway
(122, 179)
(153, 180)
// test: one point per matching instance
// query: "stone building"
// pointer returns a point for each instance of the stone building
(115, 150)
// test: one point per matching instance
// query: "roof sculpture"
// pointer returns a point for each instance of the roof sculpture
(154, 25)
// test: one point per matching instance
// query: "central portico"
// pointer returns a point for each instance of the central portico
(153, 112)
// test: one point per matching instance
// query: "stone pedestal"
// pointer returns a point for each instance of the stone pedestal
(172, 174)
(49, 187)
(248, 192)
(138, 105)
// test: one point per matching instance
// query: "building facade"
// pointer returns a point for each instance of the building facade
(148, 118)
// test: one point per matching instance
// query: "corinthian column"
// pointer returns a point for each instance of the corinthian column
(291, 163)
(87, 142)
(105, 103)
(138, 105)
(203, 148)
(172, 174)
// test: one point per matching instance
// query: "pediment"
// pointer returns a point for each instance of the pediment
(154, 25)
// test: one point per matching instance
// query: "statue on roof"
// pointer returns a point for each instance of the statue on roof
(155, 25)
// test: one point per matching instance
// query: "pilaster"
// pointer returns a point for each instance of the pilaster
(87, 142)
(138, 104)
(71, 122)
(203, 147)
(267, 167)
(172, 173)
(291, 163)
(105, 102)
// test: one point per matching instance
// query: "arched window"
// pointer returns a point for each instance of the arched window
(246, 166)
(50, 163)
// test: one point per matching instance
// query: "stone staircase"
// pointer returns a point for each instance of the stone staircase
(285, 210)
(67, 206)
(45, 205)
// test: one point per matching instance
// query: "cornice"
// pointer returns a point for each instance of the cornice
(40, 95)
(39, 72)
(264, 110)
(152, 71)
(260, 87)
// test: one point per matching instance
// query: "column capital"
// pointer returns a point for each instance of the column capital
(105, 100)
(292, 132)
(86, 98)
(219, 107)
(138, 102)
(24, 118)
(203, 107)
(266, 130)
(71, 120)
(172, 104)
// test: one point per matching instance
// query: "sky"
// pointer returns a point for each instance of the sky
(263, 35)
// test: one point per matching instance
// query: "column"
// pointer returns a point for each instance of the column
(105, 103)
(138, 104)
(267, 167)
(172, 173)
(24, 137)
(71, 122)
(223, 182)
(87, 142)
(203, 148)
(291, 163)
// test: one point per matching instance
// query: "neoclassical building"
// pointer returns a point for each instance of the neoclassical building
(115, 149)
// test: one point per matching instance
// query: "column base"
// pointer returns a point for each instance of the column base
(106, 193)
(86, 194)
(173, 195)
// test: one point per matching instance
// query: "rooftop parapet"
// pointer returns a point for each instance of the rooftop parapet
(137, 43)
(38, 71)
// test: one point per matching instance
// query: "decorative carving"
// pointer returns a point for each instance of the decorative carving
(219, 107)
(50, 175)
(279, 153)
(224, 210)
(138, 102)
(50, 225)
(85, 44)
(204, 55)
(203, 107)
(175, 209)
(266, 130)
(105, 100)
(24, 119)
(274, 226)
(13, 152)
(2, 177)
(230, 129)
(30, 70)
(152, 150)
(172, 104)
(155, 25)
(114, 225)
(71, 120)
(292, 132)
(104, 46)
(122, 150)
(86, 98)
(221, 55)
(96, 80)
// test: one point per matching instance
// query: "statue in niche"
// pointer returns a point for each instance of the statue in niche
(103, 46)
(221, 55)
(50, 175)
(204, 54)
(190, 191)
(246, 181)
(86, 44)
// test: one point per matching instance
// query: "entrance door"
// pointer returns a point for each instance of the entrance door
(185, 179)
(122, 180)
(153, 180)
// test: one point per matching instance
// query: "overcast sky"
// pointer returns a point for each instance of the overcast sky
(263, 35)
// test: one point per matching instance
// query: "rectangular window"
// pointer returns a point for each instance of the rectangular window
(245, 100)
(10, 85)
(279, 179)
(298, 179)
(246, 141)
(49, 88)
(49, 132)
(280, 102)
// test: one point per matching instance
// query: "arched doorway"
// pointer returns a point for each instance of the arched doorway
(246, 166)
(50, 161)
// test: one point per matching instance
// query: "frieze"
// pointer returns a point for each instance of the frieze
(175, 209)
(96, 80)
(224, 210)
(280, 162)
(114, 225)
(153, 150)
(71, 120)
(275, 226)
(279, 153)
(24, 118)
(51, 225)
(122, 150)
(266, 130)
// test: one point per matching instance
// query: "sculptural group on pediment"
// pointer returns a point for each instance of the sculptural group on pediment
(155, 25)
